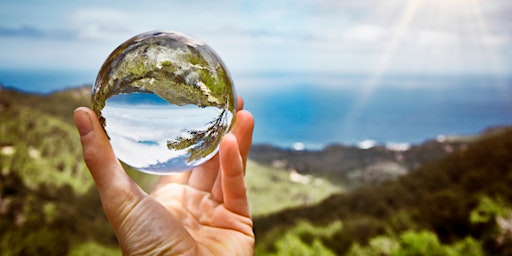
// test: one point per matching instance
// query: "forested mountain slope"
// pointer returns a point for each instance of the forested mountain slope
(467, 195)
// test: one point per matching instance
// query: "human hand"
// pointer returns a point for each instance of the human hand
(203, 211)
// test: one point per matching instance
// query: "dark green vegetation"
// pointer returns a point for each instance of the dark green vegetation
(455, 200)
(461, 204)
(47, 201)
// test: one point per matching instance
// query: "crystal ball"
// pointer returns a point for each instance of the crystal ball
(165, 100)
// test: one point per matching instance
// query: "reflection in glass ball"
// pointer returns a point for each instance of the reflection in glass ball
(165, 100)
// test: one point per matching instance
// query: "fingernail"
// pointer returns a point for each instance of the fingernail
(83, 122)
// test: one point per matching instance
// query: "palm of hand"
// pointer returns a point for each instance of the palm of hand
(199, 212)
(179, 219)
(215, 229)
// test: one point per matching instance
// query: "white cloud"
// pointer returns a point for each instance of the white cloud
(436, 38)
(364, 33)
(496, 40)
(100, 24)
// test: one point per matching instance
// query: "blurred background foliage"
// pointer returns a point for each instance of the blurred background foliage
(456, 204)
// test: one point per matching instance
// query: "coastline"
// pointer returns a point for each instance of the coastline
(312, 112)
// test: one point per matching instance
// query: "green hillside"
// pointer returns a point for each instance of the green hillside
(48, 204)
(460, 205)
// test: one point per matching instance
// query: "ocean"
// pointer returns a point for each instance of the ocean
(45, 81)
(311, 111)
(315, 111)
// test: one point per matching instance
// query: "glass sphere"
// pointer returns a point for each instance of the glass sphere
(165, 100)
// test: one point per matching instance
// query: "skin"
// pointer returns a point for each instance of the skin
(203, 211)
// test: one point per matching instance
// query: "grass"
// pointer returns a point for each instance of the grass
(271, 190)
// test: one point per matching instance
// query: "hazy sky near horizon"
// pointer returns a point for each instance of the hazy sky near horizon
(363, 36)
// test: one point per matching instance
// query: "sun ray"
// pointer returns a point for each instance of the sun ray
(374, 78)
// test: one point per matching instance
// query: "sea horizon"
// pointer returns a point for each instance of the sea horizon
(314, 110)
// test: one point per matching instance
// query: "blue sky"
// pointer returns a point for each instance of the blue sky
(362, 36)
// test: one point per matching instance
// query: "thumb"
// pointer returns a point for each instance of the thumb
(117, 190)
